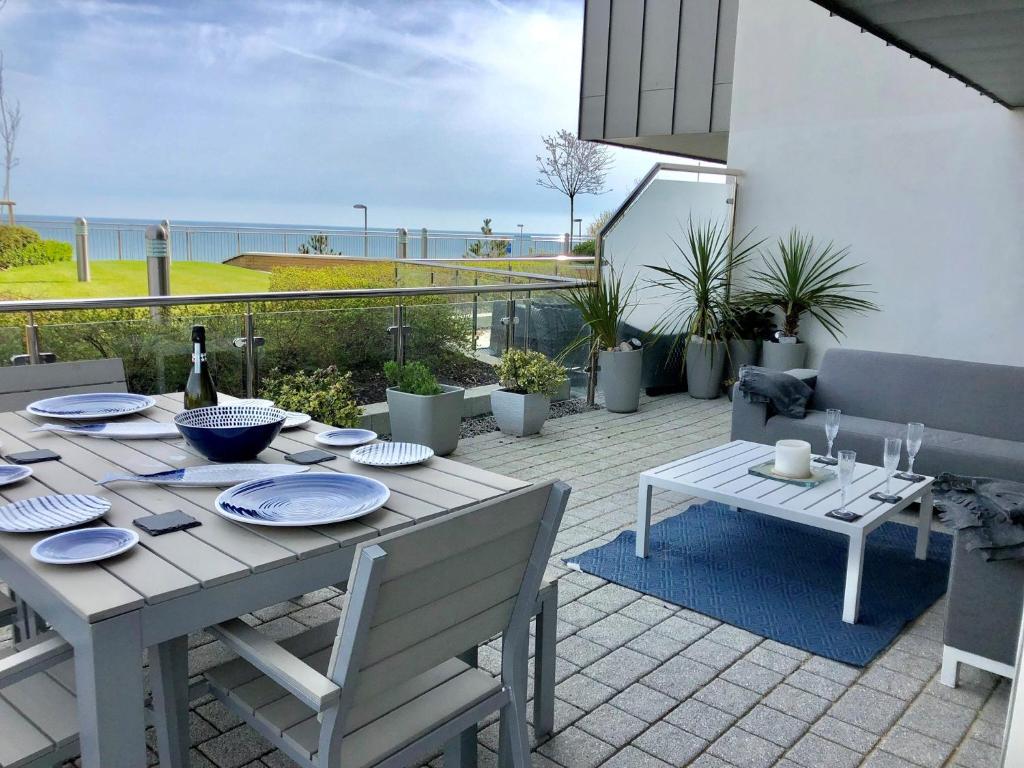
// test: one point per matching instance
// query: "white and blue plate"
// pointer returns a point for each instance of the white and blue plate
(11, 473)
(319, 498)
(207, 475)
(51, 513)
(85, 545)
(346, 438)
(125, 430)
(91, 405)
(391, 454)
(295, 419)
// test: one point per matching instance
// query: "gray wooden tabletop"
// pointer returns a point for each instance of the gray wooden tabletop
(166, 568)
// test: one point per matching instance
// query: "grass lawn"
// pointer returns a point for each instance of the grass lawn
(125, 278)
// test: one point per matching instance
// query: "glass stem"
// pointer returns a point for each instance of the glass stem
(888, 484)
(829, 454)
(910, 464)
(843, 502)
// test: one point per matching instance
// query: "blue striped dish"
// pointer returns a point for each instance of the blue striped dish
(391, 454)
(318, 498)
(346, 438)
(51, 513)
(85, 545)
(10, 473)
(91, 405)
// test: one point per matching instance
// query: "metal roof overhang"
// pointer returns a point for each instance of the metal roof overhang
(979, 42)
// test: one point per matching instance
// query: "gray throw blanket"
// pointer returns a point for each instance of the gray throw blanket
(787, 394)
(988, 513)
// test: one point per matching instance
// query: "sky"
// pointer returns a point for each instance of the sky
(291, 111)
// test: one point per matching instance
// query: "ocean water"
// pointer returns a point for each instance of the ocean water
(215, 242)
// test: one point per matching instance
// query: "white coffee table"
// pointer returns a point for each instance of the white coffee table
(720, 474)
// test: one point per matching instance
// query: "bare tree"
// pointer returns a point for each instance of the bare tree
(573, 167)
(10, 121)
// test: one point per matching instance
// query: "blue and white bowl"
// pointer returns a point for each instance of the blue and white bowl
(230, 432)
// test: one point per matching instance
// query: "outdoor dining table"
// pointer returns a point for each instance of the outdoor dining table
(179, 583)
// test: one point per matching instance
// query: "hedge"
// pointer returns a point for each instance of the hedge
(22, 247)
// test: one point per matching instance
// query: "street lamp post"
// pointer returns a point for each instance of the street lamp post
(520, 239)
(366, 233)
(579, 228)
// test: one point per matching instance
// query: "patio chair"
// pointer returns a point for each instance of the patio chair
(385, 686)
(21, 384)
(38, 715)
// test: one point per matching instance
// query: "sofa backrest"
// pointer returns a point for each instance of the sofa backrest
(977, 398)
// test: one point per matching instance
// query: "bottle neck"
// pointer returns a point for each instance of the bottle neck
(198, 357)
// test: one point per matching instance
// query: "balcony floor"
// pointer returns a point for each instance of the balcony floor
(770, 705)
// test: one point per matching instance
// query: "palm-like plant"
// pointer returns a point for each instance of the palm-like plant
(802, 277)
(604, 306)
(701, 306)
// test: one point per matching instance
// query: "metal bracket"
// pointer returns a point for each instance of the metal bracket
(507, 320)
(257, 341)
(393, 328)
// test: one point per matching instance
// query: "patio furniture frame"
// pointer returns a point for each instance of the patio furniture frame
(720, 474)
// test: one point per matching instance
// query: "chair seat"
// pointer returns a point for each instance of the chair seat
(377, 726)
(7, 608)
(38, 718)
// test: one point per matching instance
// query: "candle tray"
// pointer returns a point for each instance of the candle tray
(818, 476)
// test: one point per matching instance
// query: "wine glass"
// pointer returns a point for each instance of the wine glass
(891, 460)
(831, 430)
(915, 433)
(847, 463)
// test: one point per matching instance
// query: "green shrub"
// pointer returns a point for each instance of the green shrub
(528, 372)
(22, 247)
(586, 248)
(325, 394)
(413, 378)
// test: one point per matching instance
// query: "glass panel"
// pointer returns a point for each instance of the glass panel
(12, 337)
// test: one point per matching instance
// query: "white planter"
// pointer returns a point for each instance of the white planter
(783, 356)
(433, 420)
(705, 366)
(519, 415)
(618, 378)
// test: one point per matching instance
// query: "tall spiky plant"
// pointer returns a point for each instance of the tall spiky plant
(801, 277)
(701, 284)
(604, 306)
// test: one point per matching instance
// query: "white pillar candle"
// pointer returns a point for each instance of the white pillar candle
(793, 458)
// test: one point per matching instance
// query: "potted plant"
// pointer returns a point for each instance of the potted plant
(750, 327)
(701, 311)
(802, 277)
(604, 306)
(421, 410)
(528, 381)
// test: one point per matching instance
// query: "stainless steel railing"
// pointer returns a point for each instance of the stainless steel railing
(248, 341)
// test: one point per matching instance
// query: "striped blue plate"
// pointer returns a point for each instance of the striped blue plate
(51, 513)
(391, 454)
(91, 405)
(318, 498)
(346, 438)
(86, 545)
(10, 473)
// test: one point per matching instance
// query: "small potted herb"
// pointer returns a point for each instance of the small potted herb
(421, 410)
(528, 381)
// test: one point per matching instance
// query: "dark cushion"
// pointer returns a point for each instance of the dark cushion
(941, 450)
(983, 609)
(953, 395)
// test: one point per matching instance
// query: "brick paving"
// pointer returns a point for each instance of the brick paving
(645, 684)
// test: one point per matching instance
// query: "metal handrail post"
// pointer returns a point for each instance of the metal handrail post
(398, 331)
(32, 340)
(476, 304)
(250, 352)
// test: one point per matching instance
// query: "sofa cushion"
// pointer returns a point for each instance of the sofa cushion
(975, 398)
(941, 450)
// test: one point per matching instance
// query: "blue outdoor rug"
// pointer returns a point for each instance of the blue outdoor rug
(779, 579)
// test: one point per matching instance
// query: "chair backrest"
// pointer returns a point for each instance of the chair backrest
(426, 594)
(23, 384)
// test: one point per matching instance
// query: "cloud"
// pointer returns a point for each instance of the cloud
(289, 111)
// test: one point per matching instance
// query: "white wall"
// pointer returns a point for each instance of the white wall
(853, 141)
(645, 234)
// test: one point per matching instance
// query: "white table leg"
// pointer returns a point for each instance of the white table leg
(108, 680)
(643, 517)
(854, 570)
(168, 664)
(924, 526)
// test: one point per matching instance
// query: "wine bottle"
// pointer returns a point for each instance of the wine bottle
(199, 389)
